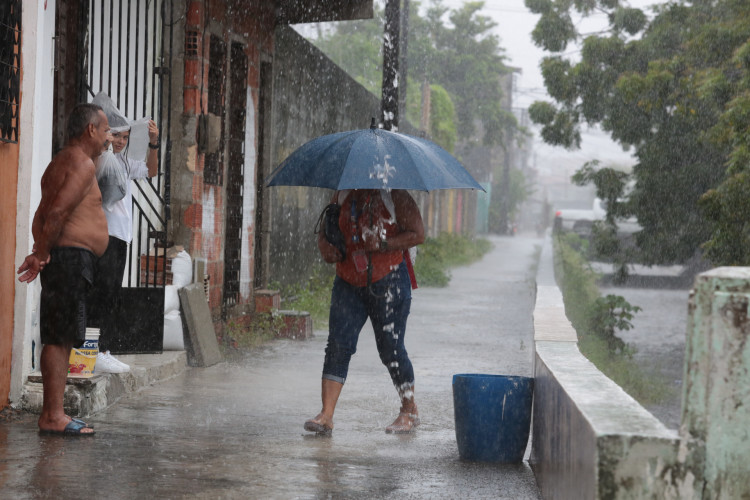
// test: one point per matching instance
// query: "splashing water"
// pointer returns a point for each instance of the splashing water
(405, 390)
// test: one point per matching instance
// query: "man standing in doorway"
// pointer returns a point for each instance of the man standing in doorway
(70, 233)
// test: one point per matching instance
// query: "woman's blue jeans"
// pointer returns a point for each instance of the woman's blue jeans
(386, 303)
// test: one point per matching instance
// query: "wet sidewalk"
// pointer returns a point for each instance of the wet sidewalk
(234, 430)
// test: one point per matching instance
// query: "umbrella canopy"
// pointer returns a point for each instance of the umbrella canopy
(372, 159)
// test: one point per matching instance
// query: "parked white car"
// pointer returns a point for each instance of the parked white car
(580, 221)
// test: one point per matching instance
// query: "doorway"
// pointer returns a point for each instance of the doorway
(235, 175)
(122, 48)
(262, 201)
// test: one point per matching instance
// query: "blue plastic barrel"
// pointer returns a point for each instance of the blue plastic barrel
(493, 416)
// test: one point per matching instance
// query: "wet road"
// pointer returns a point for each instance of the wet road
(658, 334)
(234, 430)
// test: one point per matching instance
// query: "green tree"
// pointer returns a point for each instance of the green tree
(728, 207)
(518, 191)
(672, 88)
(610, 186)
(443, 118)
(350, 45)
(467, 59)
(452, 49)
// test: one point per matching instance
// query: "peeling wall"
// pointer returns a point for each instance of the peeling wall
(297, 113)
(715, 411)
(199, 208)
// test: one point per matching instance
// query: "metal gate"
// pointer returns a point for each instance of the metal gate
(126, 53)
(126, 56)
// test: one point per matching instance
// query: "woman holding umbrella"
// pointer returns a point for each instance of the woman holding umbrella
(370, 171)
(372, 281)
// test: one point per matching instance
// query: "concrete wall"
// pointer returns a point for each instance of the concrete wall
(8, 212)
(590, 440)
(715, 428)
(8, 158)
(199, 209)
(34, 154)
(312, 97)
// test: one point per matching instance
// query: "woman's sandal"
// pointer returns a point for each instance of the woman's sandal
(321, 428)
(405, 422)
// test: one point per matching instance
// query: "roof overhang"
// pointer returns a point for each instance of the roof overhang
(316, 11)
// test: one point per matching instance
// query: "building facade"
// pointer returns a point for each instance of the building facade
(203, 71)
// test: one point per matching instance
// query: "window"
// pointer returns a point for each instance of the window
(10, 69)
(213, 169)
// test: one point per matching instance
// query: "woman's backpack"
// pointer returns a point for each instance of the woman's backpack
(328, 222)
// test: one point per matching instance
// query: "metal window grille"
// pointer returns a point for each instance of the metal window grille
(213, 169)
(10, 69)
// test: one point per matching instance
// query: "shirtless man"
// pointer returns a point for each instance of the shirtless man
(70, 233)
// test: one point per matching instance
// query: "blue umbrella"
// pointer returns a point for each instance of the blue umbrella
(372, 159)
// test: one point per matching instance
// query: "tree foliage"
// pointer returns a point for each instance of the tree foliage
(610, 188)
(453, 49)
(443, 122)
(518, 192)
(676, 89)
(351, 46)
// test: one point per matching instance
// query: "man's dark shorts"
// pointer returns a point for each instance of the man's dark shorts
(66, 282)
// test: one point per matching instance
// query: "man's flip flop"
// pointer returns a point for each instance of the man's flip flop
(82, 422)
(72, 429)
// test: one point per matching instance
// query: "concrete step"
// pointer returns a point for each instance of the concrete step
(88, 395)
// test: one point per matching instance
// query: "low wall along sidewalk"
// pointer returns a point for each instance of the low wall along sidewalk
(592, 440)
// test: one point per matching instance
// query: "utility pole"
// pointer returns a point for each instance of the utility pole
(432, 209)
(505, 186)
(389, 102)
(404, 56)
(504, 222)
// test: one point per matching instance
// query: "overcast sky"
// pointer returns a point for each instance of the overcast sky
(514, 26)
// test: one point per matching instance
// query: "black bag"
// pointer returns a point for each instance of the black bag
(329, 223)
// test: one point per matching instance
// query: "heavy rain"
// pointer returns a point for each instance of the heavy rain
(519, 228)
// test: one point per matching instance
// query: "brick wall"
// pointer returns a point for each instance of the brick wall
(200, 206)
